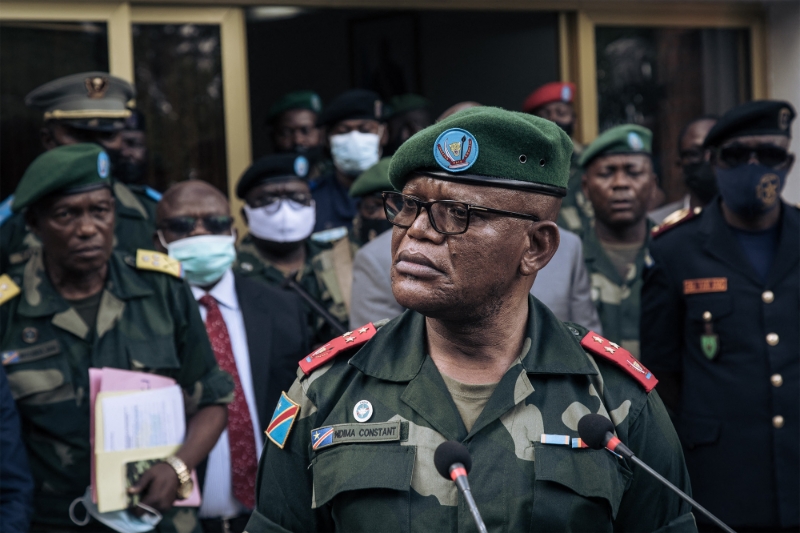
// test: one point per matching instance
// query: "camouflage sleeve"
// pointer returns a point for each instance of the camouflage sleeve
(648, 505)
(284, 487)
(201, 379)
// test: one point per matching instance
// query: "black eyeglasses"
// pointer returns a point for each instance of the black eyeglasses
(768, 155)
(447, 216)
(264, 200)
(184, 225)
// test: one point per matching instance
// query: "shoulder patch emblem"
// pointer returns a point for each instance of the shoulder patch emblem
(346, 342)
(282, 420)
(8, 289)
(158, 262)
(675, 219)
(621, 357)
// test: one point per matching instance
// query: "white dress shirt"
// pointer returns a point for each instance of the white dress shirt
(218, 498)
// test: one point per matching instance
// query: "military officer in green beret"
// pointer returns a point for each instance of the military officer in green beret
(293, 128)
(280, 215)
(370, 219)
(78, 304)
(85, 107)
(475, 359)
(618, 180)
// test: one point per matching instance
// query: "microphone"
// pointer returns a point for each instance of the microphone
(597, 432)
(452, 461)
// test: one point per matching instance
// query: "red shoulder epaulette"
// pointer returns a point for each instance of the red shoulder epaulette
(336, 346)
(675, 219)
(621, 357)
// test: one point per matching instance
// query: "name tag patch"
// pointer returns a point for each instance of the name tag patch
(347, 433)
(34, 353)
(705, 285)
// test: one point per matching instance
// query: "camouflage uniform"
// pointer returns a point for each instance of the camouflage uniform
(318, 277)
(518, 483)
(577, 213)
(147, 321)
(134, 229)
(618, 300)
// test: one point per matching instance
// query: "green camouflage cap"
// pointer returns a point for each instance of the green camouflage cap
(67, 169)
(624, 139)
(489, 146)
(406, 102)
(374, 179)
(89, 100)
(296, 100)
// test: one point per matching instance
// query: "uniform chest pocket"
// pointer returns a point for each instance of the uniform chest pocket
(366, 486)
(153, 354)
(576, 489)
(39, 373)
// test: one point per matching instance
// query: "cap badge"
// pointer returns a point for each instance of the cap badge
(767, 189)
(635, 142)
(103, 165)
(566, 93)
(455, 150)
(362, 411)
(316, 104)
(783, 118)
(301, 166)
(96, 87)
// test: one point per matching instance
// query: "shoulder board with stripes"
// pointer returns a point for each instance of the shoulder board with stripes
(674, 220)
(158, 262)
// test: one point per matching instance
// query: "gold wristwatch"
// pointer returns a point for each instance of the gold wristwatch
(184, 476)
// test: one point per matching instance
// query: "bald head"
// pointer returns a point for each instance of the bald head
(452, 110)
(191, 199)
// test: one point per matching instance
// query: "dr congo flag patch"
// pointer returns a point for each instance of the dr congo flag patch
(282, 420)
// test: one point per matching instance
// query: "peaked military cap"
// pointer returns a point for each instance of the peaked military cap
(762, 117)
(374, 179)
(69, 169)
(296, 100)
(89, 100)
(353, 104)
(405, 103)
(548, 93)
(274, 167)
(488, 146)
(623, 139)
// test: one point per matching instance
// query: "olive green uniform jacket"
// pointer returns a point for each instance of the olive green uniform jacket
(576, 213)
(134, 228)
(519, 483)
(618, 300)
(147, 321)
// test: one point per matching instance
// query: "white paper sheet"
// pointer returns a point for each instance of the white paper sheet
(144, 419)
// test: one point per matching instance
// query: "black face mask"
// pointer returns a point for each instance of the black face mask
(701, 180)
(568, 127)
(369, 228)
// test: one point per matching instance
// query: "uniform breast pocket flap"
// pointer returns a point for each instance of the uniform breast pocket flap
(718, 305)
(153, 354)
(41, 368)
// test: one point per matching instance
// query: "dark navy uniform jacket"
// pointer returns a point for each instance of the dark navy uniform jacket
(335, 206)
(736, 410)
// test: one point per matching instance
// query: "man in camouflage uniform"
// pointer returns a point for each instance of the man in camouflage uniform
(618, 179)
(77, 305)
(475, 359)
(85, 107)
(280, 213)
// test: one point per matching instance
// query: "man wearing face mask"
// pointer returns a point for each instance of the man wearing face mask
(554, 101)
(258, 334)
(85, 107)
(356, 137)
(697, 172)
(720, 309)
(280, 214)
(292, 125)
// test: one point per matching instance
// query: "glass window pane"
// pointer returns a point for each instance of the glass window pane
(178, 71)
(662, 78)
(33, 53)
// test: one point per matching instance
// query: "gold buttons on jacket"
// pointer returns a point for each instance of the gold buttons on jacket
(777, 421)
(776, 380)
(707, 316)
(767, 297)
(772, 339)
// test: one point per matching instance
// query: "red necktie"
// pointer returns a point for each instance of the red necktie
(241, 438)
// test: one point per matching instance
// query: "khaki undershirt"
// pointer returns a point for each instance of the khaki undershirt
(469, 399)
(622, 256)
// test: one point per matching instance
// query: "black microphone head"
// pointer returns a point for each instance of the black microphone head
(593, 430)
(448, 453)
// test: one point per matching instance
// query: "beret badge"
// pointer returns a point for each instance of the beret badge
(455, 150)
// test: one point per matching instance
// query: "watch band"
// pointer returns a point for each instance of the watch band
(180, 468)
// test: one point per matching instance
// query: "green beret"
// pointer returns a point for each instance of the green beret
(296, 100)
(762, 117)
(90, 100)
(273, 167)
(623, 139)
(405, 103)
(489, 146)
(374, 179)
(67, 169)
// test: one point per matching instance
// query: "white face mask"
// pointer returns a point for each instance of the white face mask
(205, 258)
(286, 222)
(355, 152)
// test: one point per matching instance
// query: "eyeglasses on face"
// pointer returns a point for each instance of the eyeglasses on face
(264, 200)
(447, 217)
(217, 224)
(767, 154)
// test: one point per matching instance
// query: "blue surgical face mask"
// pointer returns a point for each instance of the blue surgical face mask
(205, 258)
(122, 521)
(749, 190)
